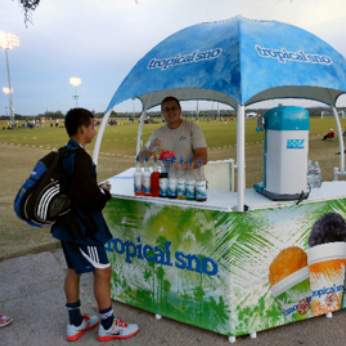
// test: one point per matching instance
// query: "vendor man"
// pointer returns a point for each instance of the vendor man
(183, 137)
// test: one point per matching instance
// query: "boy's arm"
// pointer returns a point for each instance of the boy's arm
(84, 188)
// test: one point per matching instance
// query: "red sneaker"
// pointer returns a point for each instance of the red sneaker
(5, 320)
(75, 332)
(118, 330)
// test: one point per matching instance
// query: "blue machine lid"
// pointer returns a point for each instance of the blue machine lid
(289, 118)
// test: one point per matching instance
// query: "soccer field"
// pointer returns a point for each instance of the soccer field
(122, 139)
(20, 149)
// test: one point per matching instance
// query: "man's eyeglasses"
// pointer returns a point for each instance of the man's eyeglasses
(167, 109)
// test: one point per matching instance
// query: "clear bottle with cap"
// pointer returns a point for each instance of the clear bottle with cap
(317, 174)
(138, 178)
(146, 178)
(310, 176)
(201, 183)
(181, 180)
(190, 182)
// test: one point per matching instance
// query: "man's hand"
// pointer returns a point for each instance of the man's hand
(155, 145)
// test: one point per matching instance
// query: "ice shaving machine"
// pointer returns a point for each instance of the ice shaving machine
(286, 147)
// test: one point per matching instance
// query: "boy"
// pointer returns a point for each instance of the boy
(83, 233)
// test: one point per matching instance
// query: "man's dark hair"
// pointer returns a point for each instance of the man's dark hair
(75, 118)
(170, 98)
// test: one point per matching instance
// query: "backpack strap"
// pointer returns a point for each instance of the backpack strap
(65, 151)
(68, 150)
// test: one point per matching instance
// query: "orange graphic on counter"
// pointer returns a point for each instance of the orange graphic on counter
(287, 262)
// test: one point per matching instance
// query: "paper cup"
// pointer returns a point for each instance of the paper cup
(327, 264)
(294, 295)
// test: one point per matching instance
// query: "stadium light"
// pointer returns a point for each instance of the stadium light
(75, 82)
(7, 42)
(7, 90)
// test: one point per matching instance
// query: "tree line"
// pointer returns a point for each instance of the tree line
(314, 111)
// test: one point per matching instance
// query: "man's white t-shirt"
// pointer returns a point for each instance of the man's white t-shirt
(182, 140)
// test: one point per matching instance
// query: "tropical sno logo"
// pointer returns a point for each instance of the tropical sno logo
(179, 59)
(327, 291)
(162, 255)
(295, 143)
(282, 55)
(302, 307)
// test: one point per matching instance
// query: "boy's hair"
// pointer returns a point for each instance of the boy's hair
(170, 98)
(75, 118)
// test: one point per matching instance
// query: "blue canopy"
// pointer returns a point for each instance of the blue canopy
(237, 61)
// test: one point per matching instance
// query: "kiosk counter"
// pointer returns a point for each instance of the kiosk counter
(208, 265)
(243, 261)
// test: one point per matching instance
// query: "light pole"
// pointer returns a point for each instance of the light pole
(76, 82)
(9, 41)
(8, 91)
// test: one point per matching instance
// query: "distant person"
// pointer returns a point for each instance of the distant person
(5, 320)
(330, 134)
(183, 137)
(83, 233)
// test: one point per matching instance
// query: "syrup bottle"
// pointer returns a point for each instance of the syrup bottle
(146, 178)
(172, 181)
(138, 178)
(190, 182)
(163, 180)
(201, 183)
(181, 181)
(154, 179)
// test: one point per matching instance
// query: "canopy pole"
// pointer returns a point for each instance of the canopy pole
(341, 141)
(241, 155)
(141, 123)
(100, 135)
(140, 130)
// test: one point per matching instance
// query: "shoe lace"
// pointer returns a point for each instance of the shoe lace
(120, 323)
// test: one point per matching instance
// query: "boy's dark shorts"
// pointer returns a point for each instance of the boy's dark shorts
(86, 258)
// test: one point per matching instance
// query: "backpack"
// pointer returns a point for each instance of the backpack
(40, 201)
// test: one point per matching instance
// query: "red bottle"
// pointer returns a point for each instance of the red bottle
(154, 179)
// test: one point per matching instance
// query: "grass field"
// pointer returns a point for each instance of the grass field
(20, 149)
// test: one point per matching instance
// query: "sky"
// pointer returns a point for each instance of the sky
(99, 41)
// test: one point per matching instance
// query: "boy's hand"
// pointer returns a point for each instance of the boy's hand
(106, 186)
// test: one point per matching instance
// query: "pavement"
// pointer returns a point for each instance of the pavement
(32, 293)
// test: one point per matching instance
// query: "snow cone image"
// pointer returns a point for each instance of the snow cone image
(290, 283)
(327, 262)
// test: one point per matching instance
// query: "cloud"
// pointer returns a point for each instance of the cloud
(100, 41)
